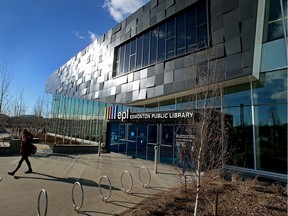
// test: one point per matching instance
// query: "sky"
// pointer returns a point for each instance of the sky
(39, 36)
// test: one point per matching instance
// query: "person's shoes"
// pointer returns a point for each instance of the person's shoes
(11, 173)
(28, 171)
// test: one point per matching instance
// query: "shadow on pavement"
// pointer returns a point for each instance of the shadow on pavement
(71, 180)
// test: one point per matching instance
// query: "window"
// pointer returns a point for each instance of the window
(127, 57)
(139, 52)
(202, 26)
(122, 58)
(146, 49)
(161, 42)
(273, 26)
(133, 55)
(153, 46)
(183, 33)
(191, 30)
(170, 39)
(180, 34)
(117, 66)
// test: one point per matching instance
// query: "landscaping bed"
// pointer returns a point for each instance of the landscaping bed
(243, 197)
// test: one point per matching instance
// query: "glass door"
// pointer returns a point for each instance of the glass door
(117, 137)
(166, 144)
(152, 140)
(122, 138)
(131, 141)
(141, 141)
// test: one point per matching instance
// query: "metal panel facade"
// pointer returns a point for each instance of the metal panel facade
(89, 74)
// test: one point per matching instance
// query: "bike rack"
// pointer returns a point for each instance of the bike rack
(110, 188)
(121, 181)
(82, 196)
(149, 180)
(38, 203)
(1, 179)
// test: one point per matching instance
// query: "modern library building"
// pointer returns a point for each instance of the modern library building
(131, 88)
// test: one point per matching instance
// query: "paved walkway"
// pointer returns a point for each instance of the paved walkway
(57, 173)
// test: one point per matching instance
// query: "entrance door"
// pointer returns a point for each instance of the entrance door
(117, 137)
(152, 140)
(131, 141)
(141, 141)
(137, 140)
(166, 144)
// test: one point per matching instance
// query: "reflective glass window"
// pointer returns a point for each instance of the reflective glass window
(170, 39)
(187, 102)
(201, 13)
(153, 46)
(271, 88)
(167, 105)
(274, 55)
(151, 107)
(240, 140)
(118, 60)
(139, 52)
(271, 137)
(146, 49)
(127, 57)
(122, 58)
(191, 42)
(202, 37)
(137, 108)
(237, 95)
(273, 26)
(209, 99)
(161, 42)
(133, 55)
(180, 34)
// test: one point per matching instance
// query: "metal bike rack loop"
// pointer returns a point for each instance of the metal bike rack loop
(110, 188)
(121, 181)
(46, 202)
(76, 208)
(149, 180)
(1, 179)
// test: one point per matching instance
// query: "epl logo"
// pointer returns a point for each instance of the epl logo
(123, 115)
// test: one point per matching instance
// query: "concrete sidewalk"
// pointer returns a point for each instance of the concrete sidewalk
(57, 173)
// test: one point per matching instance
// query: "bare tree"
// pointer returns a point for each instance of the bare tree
(18, 110)
(41, 111)
(204, 148)
(5, 81)
(38, 109)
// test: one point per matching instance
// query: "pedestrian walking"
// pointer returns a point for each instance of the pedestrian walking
(25, 149)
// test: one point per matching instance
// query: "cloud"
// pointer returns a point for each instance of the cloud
(77, 34)
(93, 36)
(120, 9)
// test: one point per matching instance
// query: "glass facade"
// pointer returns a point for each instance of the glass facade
(270, 107)
(77, 118)
(184, 33)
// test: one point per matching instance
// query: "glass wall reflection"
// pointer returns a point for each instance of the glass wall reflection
(270, 100)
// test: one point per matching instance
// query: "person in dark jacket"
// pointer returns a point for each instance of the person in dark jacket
(25, 150)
